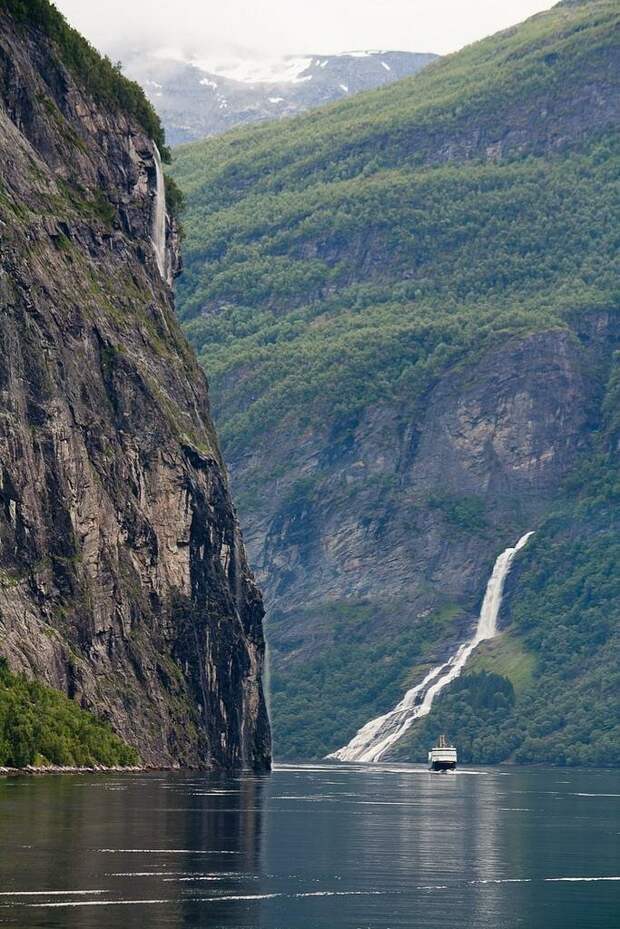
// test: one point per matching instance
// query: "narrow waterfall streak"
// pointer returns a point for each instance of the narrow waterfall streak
(158, 228)
(374, 739)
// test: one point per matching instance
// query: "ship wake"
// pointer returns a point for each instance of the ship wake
(376, 738)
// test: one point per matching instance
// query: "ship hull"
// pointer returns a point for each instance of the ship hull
(442, 766)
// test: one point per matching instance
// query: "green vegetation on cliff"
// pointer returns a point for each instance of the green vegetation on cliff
(563, 615)
(96, 73)
(359, 253)
(355, 675)
(40, 726)
(469, 256)
(361, 250)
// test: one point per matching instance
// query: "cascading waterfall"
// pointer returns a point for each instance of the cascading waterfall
(373, 740)
(158, 230)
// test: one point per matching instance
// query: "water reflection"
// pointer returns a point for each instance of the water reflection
(385, 847)
(93, 843)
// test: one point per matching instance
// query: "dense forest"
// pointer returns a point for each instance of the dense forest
(321, 260)
(39, 726)
(469, 254)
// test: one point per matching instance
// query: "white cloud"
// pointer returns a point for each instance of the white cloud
(277, 27)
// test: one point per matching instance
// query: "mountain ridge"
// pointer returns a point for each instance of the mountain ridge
(195, 101)
(407, 306)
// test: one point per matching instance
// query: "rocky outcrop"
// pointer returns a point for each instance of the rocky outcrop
(123, 576)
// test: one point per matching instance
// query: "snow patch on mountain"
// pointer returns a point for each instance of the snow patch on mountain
(258, 71)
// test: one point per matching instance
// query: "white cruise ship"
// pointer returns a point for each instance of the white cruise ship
(442, 757)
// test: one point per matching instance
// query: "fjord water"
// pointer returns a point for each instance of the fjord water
(312, 847)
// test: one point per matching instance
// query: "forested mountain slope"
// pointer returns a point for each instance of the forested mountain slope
(407, 304)
(123, 578)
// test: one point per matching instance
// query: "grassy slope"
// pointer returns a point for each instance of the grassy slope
(341, 258)
(544, 54)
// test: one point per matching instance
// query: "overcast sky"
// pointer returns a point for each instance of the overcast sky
(276, 27)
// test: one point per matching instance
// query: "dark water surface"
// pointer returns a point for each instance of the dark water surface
(312, 847)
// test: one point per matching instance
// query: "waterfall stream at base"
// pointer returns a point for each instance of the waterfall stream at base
(158, 231)
(374, 739)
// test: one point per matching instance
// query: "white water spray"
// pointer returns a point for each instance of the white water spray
(374, 739)
(158, 230)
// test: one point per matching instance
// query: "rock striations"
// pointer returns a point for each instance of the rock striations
(123, 577)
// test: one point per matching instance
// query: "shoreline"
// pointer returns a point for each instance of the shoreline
(33, 770)
(76, 769)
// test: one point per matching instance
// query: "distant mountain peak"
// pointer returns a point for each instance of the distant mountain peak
(198, 95)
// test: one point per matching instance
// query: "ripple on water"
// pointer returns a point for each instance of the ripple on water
(49, 893)
(167, 851)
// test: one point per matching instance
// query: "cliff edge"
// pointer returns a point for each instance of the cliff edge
(123, 576)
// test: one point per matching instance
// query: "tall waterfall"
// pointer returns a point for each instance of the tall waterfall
(158, 229)
(374, 739)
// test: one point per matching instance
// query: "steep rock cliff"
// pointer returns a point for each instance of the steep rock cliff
(123, 577)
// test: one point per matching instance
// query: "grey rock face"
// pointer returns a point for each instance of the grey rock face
(123, 576)
(370, 518)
